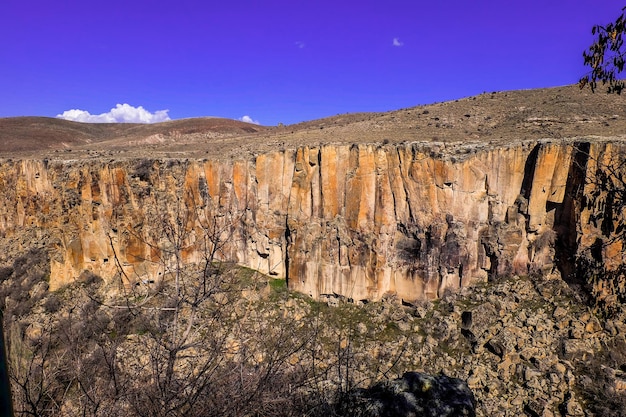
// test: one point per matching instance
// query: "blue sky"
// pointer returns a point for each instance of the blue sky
(283, 61)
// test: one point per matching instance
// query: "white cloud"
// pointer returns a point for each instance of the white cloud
(300, 45)
(121, 113)
(396, 42)
(248, 119)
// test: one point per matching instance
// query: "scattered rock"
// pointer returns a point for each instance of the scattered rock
(496, 347)
(415, 394)
(535, 408)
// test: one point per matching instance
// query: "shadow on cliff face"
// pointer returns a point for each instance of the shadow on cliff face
(591, 228)
(529, 171)
(24, 283)
(567, 216)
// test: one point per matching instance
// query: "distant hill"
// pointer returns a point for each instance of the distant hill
(43, 133)
(492, 117)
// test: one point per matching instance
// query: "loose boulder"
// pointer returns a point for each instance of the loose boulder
(415, 394)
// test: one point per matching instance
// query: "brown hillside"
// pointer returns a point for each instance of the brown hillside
(489, 118)
(38, 134)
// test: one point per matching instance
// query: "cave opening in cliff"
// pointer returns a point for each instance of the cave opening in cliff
(529, 171)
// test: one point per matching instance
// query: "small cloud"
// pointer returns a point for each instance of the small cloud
(396, 42)
(248, 119)
(300, 45)
(121, 113)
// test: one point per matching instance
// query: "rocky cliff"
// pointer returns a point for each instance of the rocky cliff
(359, 221)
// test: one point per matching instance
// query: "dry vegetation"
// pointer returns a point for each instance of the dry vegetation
(252, 348)
(491, 118)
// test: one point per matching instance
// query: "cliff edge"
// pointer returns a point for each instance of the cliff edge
(341, 207)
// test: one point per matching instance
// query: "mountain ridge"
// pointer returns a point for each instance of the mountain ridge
(496, 118)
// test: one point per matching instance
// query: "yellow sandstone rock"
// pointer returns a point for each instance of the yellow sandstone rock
(358, 221)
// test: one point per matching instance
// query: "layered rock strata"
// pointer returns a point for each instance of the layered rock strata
(357, 221)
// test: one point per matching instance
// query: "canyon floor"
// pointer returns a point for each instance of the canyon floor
(524, 345)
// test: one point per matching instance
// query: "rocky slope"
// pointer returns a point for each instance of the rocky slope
(524, 345)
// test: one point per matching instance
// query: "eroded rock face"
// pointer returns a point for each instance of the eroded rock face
(357, 221)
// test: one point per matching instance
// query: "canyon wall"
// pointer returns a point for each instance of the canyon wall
(357, 221)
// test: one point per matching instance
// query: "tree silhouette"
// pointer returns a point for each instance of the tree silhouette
(606, 56)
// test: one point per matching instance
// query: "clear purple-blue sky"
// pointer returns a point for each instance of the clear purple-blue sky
(285, 60)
